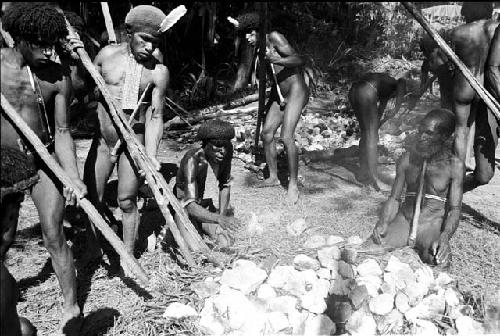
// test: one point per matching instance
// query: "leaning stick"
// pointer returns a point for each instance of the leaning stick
(171, 103)
(109, 23)
(86, 205)
(132, 116)
(156, 181)
(281, 99)
(6, 36)
(418, 202)
(492, 104)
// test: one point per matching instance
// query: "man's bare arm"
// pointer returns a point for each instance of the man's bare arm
(191, 194)
(287, 56)
(492, 72)
(154, 115)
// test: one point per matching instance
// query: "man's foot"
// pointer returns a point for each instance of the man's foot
(293, 194)
(71, 322)
(275, 182)
(221, 237)
(27, 329)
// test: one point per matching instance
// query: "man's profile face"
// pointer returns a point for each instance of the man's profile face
(252, 37)
(37, 54)
(143, 45)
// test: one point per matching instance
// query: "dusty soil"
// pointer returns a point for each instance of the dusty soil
(331, 203)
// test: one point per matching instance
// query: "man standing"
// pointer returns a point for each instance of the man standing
(285, 67)
(128, 69)
(217, 151)
(430, 161)
(369, 97)
(39, 89)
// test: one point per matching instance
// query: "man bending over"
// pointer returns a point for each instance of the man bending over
(217, 151)
(369, 97)
(442, 192)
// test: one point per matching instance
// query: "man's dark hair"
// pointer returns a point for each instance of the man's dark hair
(217, 132)
(248, 22)
(473, 11)
(34, 22)
(446, 120)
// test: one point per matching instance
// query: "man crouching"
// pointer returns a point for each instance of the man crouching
(442, 178)
(217, 151)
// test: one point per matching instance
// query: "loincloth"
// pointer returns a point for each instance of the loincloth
(19, 171)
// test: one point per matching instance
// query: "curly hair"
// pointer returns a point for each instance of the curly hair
(35, 22)
(248, 21)
(216, 131)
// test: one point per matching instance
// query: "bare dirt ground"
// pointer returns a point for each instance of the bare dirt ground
(331, 203)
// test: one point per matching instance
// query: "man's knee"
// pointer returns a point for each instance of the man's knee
(288, 141)
(267, 135)
(483, 176)
(127, 203)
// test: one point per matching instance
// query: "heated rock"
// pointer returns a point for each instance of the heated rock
(303, 262)
(319, 325)
(328, 257)
(296, 227)
(266, 292)
(361, 323)
(315, 241)
(244, 276)
(369, 267)
(205, 289)
(177, 310)
(381, 304)
(332, 240)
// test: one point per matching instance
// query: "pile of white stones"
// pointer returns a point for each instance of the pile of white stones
(344, 290)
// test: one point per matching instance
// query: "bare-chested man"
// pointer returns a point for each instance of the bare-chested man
(39, 89)
(217, 151)
(369, 97)
(128, 68)
(442, 191)
(290, 78)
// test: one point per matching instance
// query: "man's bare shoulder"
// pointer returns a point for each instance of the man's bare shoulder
(110, 51)
(276, 38)
(469, 32)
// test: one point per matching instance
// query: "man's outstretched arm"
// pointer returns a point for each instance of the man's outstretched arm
(391, 206)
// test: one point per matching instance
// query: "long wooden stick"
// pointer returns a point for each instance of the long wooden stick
(131, 118)
(418, 203)
(492, 104)
(91, 211)
(109, 23)
(156, 181)
(6, 36)
(262, 74)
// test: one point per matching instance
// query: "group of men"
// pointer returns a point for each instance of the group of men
(38, 81)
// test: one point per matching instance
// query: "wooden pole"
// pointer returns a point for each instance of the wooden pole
(91, 211)
(131, 118)
(108, 21)
(492, 104)
(262, 73)
(418, 203)
(156, 181)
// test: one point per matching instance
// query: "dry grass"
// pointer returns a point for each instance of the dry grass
(330, 204)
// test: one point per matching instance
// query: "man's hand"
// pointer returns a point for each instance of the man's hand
(73, 197)
(440, 249)
(379, 231)
(156, 166)
(272, 56)
(230, 223)
(71, 43)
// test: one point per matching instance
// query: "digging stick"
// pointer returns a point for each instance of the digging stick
(6, 36)
(492, 104)
(132, 116)
(171, 103)
(262, 74)
(109, 23)
(157, 183)
(418, 202)
(86, 205)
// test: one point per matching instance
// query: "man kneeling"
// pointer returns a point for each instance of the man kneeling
(216, 150)
(442, 178)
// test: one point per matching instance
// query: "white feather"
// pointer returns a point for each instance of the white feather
(233, 21)
(172, 18)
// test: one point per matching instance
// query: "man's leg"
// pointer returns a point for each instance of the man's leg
(98, 168)
(274, 119)
(9, 325)
(485, 143)
(50, 205)
(293, 109)
(128, 187)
